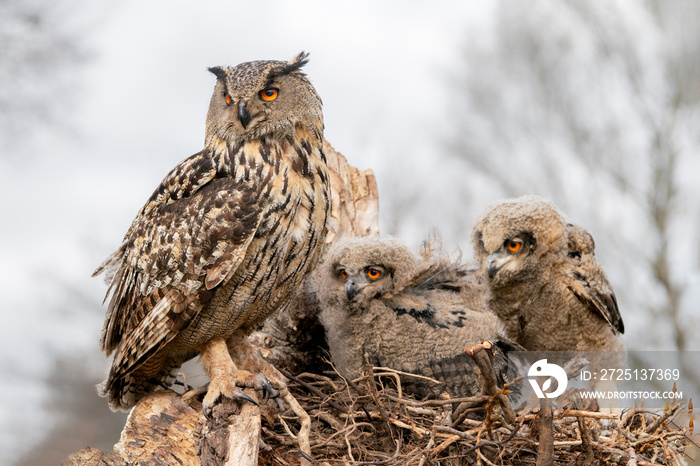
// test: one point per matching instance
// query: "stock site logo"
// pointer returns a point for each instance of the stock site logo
(543, 369)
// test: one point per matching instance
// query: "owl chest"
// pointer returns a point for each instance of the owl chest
(292, 188)
(296, 211)
(294, 208)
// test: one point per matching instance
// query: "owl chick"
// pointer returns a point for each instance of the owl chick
(224, 240)
(413, 314)
(545, 284)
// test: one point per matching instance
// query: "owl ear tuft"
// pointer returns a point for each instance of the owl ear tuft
(219, 71)
(300, 60)
(294, 64)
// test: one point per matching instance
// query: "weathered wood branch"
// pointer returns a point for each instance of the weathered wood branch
(546, 439)
(161, 427)
(482, 354)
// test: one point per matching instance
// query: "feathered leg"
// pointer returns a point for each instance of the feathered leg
(224, 376)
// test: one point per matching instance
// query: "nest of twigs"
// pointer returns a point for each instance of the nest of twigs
(371, 421)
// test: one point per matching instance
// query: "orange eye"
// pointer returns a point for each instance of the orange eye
(514, 245)
(373, 273)
(342, 273)
(269, 94)
(227, 98)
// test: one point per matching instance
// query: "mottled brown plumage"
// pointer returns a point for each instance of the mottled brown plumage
(224, 240)
(544, 281)
(413, 314)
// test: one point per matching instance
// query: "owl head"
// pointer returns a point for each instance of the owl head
(358, 270)
(261, 99)
(513, 237)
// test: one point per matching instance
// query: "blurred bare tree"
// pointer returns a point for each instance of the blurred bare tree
(41, 45)
(595, 105)
(44, 50)
(78, 416)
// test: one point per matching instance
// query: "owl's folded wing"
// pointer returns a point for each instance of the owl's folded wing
(166, 270)
(590, 286)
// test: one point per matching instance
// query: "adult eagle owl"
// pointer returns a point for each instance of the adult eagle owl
(224, 240)
(544, 281)
(414, 314)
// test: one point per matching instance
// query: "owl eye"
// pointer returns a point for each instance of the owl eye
(373, 273)
(514, 245)
(342, 273)
(227, 98)
(269, 94)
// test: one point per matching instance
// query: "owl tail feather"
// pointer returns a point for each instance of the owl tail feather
(124, 392)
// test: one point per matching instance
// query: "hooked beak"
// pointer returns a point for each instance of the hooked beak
(351, 288)
(495, 262)
(243, 114)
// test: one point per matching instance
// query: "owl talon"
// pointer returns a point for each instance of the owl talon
(239, 395)
(209, 402)
(260, 383)
(269, 391)
(206, 410)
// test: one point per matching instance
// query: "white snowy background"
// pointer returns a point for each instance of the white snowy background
(453, 104)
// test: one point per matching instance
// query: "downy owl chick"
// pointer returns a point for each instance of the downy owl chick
(544, 281)
(382, 305)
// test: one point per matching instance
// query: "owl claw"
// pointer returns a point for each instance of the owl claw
(209, 402)
(239, 395)
(206, 409)
(229, 388)
(262, 384)
(269, 392)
